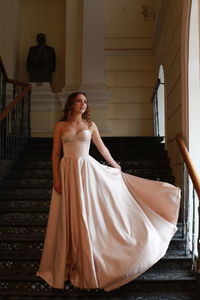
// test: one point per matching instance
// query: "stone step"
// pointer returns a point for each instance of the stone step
(139, 139)
(177, 281)
(14, 183)
(39, 237)
(27, 193)
(125, 154)
(11, 253)
(22, 181)
(24, 242)
(30, 266)
(135, 296)
(47, 164)
(17, 205)
(112, 139)
(33, 226)
(110, 144)
(46, 176)
(13, 209)
(13, 217)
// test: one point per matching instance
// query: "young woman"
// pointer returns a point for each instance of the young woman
(105, 227)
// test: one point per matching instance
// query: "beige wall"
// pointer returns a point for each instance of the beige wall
(47, 16)
(168, 51)
(9, 38)
(125, 27)
(130, 66)
(131, 79)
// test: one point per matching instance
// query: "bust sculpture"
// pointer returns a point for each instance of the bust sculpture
(41, 61)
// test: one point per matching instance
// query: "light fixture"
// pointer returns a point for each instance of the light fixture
(147, 13)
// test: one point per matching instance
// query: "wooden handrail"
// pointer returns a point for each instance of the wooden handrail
(26, 86)
(14, 102)
(21, 83)
(191, 169)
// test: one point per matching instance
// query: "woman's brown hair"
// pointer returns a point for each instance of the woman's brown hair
(68, 108)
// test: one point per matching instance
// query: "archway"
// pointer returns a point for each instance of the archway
(161, 102)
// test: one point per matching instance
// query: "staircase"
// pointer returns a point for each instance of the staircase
(24, 208)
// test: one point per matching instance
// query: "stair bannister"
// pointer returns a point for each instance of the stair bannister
(154, 100)
(14, 119)
(196, 186)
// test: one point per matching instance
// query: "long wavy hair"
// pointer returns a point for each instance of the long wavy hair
(68, 108)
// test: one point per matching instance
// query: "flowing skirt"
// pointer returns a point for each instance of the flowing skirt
(107, 227)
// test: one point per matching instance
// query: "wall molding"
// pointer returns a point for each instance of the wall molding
(128, 52)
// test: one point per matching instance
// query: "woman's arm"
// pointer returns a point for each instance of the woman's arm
(56, 159)
(102, 148)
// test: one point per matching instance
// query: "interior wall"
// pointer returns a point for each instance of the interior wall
(9, 36)
(168, 51)
(130, 66)
(49, 17)
(131, 78)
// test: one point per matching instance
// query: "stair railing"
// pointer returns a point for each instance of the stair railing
(194, 181)
(154, 100)
(14, 119)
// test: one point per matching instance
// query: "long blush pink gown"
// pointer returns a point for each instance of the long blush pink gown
(107, 227)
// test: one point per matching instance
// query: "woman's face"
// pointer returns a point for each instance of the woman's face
(80, 104)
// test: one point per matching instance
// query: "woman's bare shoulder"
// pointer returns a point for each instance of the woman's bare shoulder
(93, 127)
(59, 126)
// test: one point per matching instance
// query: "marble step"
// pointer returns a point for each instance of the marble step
(18, 205)
(111, 144)
(47, 164)
(21, 221)
(111, 141)
(46, 174)
(27, 193)
(168, 281)
(23, 182)
(10, 224)
(24, 241)
(31, 227)
(30, 266)
(125, 154)
(135, 296)
(178, 257)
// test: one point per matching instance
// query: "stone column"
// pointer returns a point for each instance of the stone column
(73, 48)
(73, 44)
(85, 64)
(93, 45)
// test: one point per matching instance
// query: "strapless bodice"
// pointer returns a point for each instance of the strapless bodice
(76, 145)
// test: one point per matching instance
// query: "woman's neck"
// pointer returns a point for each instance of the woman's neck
(76, 119)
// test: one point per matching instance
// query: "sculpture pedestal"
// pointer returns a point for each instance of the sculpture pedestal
(45, 109)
